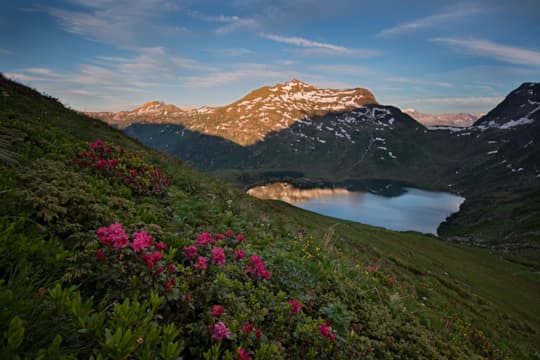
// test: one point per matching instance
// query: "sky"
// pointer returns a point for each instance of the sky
(111, 55)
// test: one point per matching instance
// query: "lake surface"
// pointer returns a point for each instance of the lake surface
(416, 209)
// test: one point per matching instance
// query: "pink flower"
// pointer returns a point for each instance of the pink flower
(161, 246)
(229, 233)
(100, 164)
(172, 268)
(221, 331)
(156, 256)
(295, 306)
(240, 238)
(257, 267)
(201, 263)
(242, 354)
(258, 333)
(100, 255)
(218, 237)
(113, 235)
(159, 270)
(326, 331)
(218, 256)
(247, 328)
(112, 163)
(204, 239)
(190, 251)
(392, 278)
(239, 254)
(217, 310)
(96, 144)
(149, 261)
(141, 240)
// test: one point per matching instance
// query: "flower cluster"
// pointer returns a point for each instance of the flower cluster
(129, 169)
(221, 331)
(256, 267)
(113, 235)
(295, 306)
(326, 331)
(139, 253)
(215, 249)
(138, 256)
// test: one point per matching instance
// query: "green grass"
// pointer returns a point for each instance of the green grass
(487, 285)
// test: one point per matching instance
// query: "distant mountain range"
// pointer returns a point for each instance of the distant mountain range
(459, 119)
(320, 137)
(248, 120)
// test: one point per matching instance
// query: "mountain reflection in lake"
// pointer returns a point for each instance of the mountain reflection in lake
(417, 210)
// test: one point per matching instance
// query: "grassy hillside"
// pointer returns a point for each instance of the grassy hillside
(294, 285)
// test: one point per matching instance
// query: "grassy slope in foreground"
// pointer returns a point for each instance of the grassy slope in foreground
(47, 227)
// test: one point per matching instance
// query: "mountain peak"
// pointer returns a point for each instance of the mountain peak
(520, 107)
(248, 120)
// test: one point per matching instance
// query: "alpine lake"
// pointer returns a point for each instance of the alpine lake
(409, 209)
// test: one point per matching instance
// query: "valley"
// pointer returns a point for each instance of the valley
(495, 161)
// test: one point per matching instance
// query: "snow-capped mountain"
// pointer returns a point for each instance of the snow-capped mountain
(458, 120)
(248, 120)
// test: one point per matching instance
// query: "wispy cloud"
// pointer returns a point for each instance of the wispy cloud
(298, 41)
(121, 22)
(116, 79)
(230, 52)
(231, 23)
(310, 47)
(405, 80)
(5, 52)
(486, 48)
(448, 15)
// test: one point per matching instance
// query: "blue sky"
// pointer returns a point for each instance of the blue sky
(434, 56)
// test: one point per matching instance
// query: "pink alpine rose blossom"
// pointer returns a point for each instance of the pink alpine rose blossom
(161, 246)
(240, 238)
(113, 235)
(217, 310)
(295, 306)
(203, 239)
(239, 254)
(218, 256)
(242, 354)
(326, 331)
(141, 240)
(247, 328)
(190, 251)
(221, 331)
(201, 263)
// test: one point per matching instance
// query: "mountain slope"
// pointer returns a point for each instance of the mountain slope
(385, 294)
